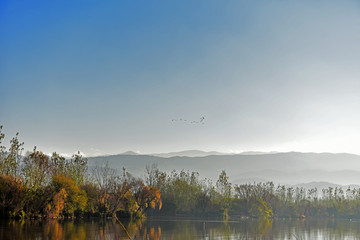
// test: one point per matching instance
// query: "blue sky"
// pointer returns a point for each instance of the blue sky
(105, 77)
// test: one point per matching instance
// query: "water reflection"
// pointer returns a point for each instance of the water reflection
(180, 229)
(56, 230)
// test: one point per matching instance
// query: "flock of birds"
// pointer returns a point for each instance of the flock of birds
(201, 120)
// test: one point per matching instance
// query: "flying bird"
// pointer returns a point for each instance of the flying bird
(201, 120)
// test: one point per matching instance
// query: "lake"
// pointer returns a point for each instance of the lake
(153, 229)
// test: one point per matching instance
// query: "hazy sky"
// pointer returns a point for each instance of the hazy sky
(105, 77)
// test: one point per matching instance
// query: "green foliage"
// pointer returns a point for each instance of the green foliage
(9, 160)
(223, 187)
(36, 170)
(78, 168)
(60, 165)
(260, 208)
(92, 193)
(76, 198)
(22, 214)
(183, 189)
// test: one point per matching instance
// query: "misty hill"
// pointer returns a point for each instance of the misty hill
(322, 185)
(129, 153)
(286, 168)
(343, 177)
(188, 153)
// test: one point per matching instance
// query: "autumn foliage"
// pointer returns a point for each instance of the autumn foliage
(35, 185)
(40, 186)
(147, 197)
(12, 193)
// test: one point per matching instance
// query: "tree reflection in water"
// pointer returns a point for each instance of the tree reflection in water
(180, 229)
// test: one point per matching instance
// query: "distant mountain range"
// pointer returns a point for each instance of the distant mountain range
(193, 153)
(285, 168)
(322, 185)
(188, 153)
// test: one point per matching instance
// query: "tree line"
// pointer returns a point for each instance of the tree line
(35, 185)
(40, 186)
(186, 194)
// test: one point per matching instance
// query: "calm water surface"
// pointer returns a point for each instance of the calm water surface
(180, 229)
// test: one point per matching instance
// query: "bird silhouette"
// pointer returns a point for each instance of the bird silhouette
(201, 120)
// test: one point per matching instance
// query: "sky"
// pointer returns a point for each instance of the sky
(105, 77)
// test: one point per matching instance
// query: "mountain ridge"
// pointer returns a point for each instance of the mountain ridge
(289, 167)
